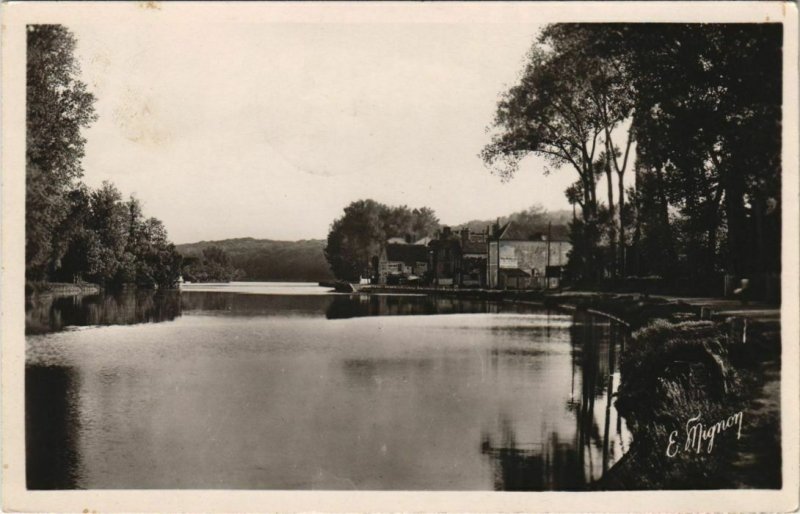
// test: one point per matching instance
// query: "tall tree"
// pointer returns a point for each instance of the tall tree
(357, 237)
(59, 106)
(708, 118)
(424, 223)
(565, 108)
(703, 105)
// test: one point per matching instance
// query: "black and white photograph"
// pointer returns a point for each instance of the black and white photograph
(504, 248)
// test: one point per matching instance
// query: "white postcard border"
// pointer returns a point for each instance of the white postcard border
(15, 15)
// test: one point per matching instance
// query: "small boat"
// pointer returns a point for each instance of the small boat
(341, 286)
(345, 287)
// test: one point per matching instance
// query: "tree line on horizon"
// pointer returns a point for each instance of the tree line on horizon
(693, 111)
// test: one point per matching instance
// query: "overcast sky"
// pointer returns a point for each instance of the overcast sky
(269, 131)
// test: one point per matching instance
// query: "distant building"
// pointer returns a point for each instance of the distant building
(444, 258)
(531, 263)
(402, 262)
(458, 259)
(474, 256)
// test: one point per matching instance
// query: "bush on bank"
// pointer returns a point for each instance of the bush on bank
(679, 380)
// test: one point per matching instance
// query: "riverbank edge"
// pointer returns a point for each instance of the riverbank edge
(635, 469)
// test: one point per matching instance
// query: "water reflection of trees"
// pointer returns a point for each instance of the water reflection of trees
(550, 465)
(555, 464)
(50, 433)
(50, 314)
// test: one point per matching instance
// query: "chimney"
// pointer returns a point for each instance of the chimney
(446, 232)
(465, 234)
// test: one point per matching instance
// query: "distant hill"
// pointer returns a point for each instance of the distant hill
(268, 260)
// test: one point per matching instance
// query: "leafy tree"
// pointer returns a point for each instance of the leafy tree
(358, 236)
(109, 222)
(213, 266)
(71, 231)
(77, 239)
(703, 104)
(355, 238)
(565, 108)
(111, 243)
(708, 117)
(58, 107)
(424, 223)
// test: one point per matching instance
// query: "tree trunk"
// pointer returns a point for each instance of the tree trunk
(664, 208)
(759, 206)
(621, 204)
(734, 209)
(712, 238)
(612, 236)
(637, 230)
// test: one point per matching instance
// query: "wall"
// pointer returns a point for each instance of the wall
(529, 256)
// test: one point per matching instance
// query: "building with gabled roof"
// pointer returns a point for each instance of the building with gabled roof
(530, 263)
(402, 262)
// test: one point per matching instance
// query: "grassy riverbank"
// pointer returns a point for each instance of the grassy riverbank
(687, 383)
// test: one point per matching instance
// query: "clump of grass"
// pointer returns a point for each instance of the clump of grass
(685, 363)
(671, 373)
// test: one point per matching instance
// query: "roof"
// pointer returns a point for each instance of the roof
(474, 247)
(406, 253)
(451, 243)
(515, 232)
(397, 241)
(514, 272)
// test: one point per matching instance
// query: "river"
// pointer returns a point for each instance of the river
(289, 386)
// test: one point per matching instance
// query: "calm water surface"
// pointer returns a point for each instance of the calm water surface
(286, 386)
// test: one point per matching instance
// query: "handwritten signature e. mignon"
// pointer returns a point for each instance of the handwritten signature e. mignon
(699, 436)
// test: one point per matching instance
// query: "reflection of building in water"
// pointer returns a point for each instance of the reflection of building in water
(551, 461)
(353, 306)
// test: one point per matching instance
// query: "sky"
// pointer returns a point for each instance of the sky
(259, 130)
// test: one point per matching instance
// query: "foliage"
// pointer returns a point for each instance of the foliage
(213, 265)
(702, 103)
(569, 101)
(72, 232)
(111, 242)
(58, 107)
(708, 122)
(673, 373)
(356, 238)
